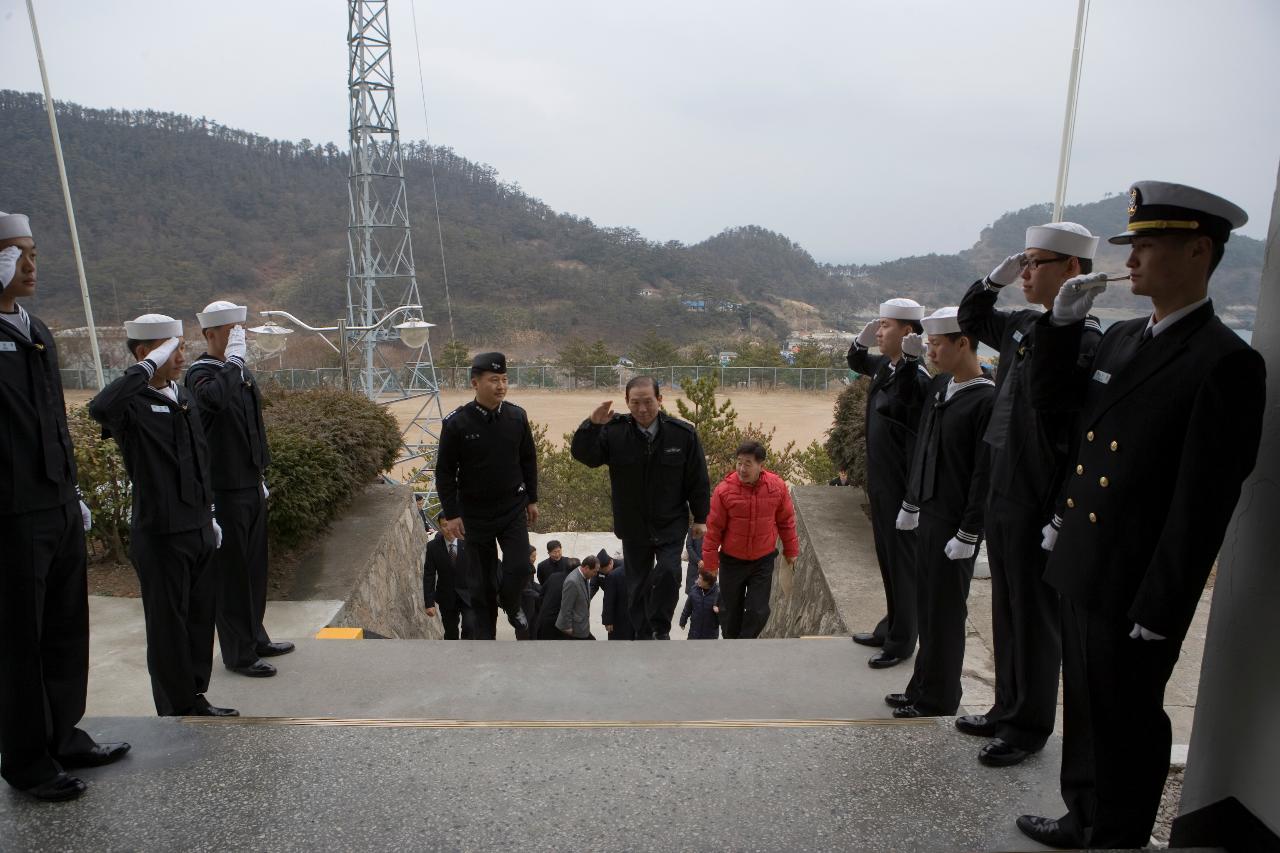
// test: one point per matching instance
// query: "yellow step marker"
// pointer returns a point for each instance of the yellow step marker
(340, 634)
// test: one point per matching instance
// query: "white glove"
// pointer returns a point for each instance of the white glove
(265, 493)
(1075, 298)
(1048, 537)
(217, 533)
(235, 343)
(1007, 271)
(913, 345)
(8, 265)
(957, 550)
(161, 354)
(86, 517)
(907, 520)
(867, 337)
(1140, 633)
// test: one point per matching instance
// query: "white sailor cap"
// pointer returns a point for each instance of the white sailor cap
(221, 313)
(901, 309)
(153, 327)
(1157, 207)
(944, 321)
(1065, 238)
(14, 225)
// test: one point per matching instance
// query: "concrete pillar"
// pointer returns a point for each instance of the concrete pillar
(1231, 791)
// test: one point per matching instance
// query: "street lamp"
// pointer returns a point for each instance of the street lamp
(413, 334)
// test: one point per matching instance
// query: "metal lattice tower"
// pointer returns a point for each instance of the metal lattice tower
(380, 262)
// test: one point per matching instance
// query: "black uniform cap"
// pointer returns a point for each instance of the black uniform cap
(488, 362)
(1157, 207)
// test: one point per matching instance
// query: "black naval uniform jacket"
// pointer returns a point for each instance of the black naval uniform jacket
(1167, 431)
(231, 412)
(164, 451)
(1029, 447)
(655, 485)
(37, 463)
(951, 466)
(486, 466)
(894, 402)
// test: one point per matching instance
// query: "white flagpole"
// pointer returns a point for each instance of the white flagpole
(66, 196)
(1069, 122)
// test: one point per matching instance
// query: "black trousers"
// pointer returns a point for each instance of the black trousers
(942, 606)
(495, 583)
(744, 595)
(240, 567)
(1115, 733)
(1025, 624)
(896, 554)
(44, 642)
(179, 593)
(653, 585)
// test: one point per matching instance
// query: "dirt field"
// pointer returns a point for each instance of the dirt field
(799, 416)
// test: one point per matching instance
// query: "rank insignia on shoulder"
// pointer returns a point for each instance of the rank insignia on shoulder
(1101, 376)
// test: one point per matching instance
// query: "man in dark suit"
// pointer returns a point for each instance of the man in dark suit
(556, 562)
(613, 615)
(444, 583)
(549, 609)
(1170, 419)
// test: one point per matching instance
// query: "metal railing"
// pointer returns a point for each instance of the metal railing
(550, 376)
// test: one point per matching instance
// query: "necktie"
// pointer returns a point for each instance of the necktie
(1146, 336)
(453, 552)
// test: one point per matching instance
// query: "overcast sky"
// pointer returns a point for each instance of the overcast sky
(862, 130)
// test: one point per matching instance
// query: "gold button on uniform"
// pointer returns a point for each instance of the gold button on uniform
(1115, 445)
(1079, 469)
(1093, 519)
(1104, 482)
(1071, 503)
(1089, 435)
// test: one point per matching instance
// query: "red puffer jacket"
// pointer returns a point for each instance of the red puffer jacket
(746, 521)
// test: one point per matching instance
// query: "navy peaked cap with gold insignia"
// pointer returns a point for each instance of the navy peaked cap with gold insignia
(1156, 207)
(488, 362)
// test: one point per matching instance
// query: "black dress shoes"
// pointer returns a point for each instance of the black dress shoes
(868, 639)
(270, 650)
(897, 700)
(908, 712)
(98, 755)
(204, 709)
(1001, 754)
(880, 660)
(977, 725)
(1048, 831)
(257, 669)
(60, 787)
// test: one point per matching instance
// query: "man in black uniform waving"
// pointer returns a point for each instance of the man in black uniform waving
(44, 606)
(231, 411)
(1028, 457)
(487, 479)
(658, 479)
(1170, 416)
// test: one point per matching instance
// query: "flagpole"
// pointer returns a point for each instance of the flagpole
(66, 195)
(1069, 121)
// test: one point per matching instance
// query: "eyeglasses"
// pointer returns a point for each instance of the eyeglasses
(1036, 263)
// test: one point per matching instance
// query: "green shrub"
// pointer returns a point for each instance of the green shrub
(104, 482)
(326, 445)
(571, 496)
(847, 438)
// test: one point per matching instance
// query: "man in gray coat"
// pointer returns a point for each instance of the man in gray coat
(574, 620)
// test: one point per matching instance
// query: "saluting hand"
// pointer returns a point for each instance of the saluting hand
(235, 343)
(161, 354)
(867, 337)
(913, 345)
(602, 413)
(8, 264)
(1008, 270)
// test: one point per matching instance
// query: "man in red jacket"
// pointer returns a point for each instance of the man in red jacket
(750, 509)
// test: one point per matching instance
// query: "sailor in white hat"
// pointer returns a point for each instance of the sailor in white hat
(44, 609)
(172, 529)
(894, 399)
(1169, 420)
(231, 410)
(945, 505)
(1028, 460)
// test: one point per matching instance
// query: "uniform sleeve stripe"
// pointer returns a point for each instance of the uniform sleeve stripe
(1056, 521)
(971, 538)
(910, 507)
(150, 368)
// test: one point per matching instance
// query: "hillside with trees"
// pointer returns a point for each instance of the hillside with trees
(176, 210)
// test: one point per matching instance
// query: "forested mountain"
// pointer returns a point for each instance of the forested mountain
(175, 211)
